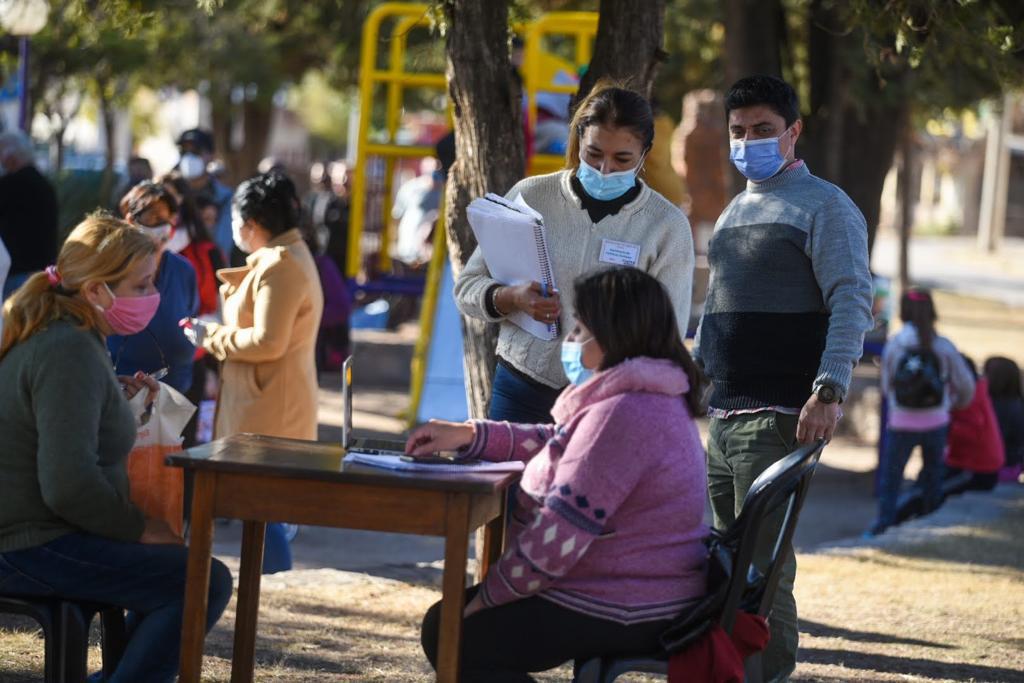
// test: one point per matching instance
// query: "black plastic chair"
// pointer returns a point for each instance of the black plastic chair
(65, 628)
(734, 583)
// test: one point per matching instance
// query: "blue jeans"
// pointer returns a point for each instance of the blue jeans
(516, 400)
(147, 580)
(898, 447)
(277, 553)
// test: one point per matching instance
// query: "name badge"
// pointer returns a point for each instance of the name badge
(619, 253)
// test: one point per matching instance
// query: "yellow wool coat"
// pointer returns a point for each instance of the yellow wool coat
(272, 308)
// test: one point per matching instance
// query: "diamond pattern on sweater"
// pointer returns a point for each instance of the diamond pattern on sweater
(568, 546)
(533, 585)
(599, 513)
(528, 445)
(516, 572)
(582, 502)
(550, 533)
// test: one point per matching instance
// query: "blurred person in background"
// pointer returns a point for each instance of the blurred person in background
(340, 175)
(196, 147)
(138, 169)
(28, 210)
(68, 529)
(272, 308)
(416, 208)
(974, 448)
(924, 378)
(191, 239)
(1004, 386)
(152, 208)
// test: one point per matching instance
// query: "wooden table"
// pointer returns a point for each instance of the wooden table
(261, 479)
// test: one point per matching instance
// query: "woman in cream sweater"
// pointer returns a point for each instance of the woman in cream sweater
(598, 214)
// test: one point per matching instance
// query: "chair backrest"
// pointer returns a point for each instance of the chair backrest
(733, 581)
(784, 483)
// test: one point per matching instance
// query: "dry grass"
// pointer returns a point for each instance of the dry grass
(936, 602)
(981, 327)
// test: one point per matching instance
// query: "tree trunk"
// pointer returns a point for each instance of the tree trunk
(107, 117)
(488, 151)
(257, 117)
(753, 33)
(628, 45)
(753, 36)
(850, 143)
(906, 199)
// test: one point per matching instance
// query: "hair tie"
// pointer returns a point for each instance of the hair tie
(917, 296)
(53, 275)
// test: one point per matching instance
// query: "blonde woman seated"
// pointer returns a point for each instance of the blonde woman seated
(67, 526)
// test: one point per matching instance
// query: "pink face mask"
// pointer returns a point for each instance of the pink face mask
(130, 314)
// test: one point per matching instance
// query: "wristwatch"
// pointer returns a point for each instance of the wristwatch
(827, 393)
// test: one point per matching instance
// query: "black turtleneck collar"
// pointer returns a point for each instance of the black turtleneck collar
(600, 208)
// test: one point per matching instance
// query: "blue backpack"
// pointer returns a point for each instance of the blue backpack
(919, 381)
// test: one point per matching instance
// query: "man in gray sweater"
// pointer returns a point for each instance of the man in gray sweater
(783, 326)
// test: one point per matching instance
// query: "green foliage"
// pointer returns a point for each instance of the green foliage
(954, 53)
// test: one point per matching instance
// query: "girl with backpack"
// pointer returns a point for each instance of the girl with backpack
(923, 378)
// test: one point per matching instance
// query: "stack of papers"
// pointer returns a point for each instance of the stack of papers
(514, 244)
(395, 462)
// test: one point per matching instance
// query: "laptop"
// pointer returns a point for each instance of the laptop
(361, 444)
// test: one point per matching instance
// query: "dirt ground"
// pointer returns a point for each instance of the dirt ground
(940, 599)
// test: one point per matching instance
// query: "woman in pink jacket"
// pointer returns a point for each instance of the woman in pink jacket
(605, 543)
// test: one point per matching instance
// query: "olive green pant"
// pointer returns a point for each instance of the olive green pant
(739, 449)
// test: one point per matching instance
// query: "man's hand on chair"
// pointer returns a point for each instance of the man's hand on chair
(817, 420)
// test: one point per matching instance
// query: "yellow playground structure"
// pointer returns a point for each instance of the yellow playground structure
(556, 47)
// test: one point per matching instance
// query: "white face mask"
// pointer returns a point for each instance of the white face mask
(191, 166)
(179, 240)
(236, 231)
(158, 233)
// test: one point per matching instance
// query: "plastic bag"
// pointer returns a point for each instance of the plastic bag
(157, 489)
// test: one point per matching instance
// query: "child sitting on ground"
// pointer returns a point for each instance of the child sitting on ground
(1004, 386)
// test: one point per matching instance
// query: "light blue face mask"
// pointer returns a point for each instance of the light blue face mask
(757, 159)
(606, 186)
(572, 362)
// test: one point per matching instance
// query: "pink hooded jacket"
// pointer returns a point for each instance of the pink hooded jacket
(609, 516)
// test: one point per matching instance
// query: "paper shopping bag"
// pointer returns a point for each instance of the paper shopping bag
(157, 489)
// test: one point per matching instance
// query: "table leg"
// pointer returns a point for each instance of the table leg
(494, 537)
(250, 570)
(453, 595)
(197, 580)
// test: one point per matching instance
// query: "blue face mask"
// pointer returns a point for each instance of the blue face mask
(757, 159)
(606, 186)
(572, 362)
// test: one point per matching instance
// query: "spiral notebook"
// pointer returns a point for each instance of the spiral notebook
(514, 244)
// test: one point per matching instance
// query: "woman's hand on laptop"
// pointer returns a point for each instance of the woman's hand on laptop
(438, 435)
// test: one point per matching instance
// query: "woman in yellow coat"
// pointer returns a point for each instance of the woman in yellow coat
(272, 309)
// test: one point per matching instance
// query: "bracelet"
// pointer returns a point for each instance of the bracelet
(494, 301)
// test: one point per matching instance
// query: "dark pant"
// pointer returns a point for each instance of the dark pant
(146, 580)
(515, 399)
(739, 450)
(899, 446)
(503, 644)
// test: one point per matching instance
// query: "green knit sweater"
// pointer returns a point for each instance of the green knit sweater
(66, 430)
